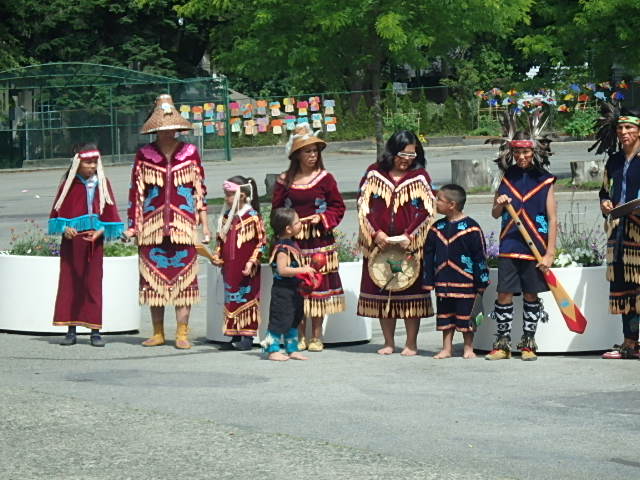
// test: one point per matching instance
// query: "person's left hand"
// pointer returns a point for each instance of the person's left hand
(248, 269)
(405, 243)
(546, 262)
(315, 219)
(206, 233)
(92, 235)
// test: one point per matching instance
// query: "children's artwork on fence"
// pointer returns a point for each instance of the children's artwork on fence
(275, 109)
(260, 116)
(289, 104)
(329, 105)
(314, 104)
(261, 107)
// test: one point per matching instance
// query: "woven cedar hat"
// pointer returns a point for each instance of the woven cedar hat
(165, 117)
(301, 137)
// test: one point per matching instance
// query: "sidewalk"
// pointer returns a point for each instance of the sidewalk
(131, 412)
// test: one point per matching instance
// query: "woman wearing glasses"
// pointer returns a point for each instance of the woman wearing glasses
(395, 206)
(313, 193)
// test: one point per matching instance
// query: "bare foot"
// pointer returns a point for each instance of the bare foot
(442, 354)
(386, 350)
(409, 352)
(297, 356)
(278, 357)
(468, 354)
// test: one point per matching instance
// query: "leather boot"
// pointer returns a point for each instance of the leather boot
(158, 335)
(182, 339)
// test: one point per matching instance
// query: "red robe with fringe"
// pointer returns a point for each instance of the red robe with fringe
(165, 198)
(244, 243)
(395, 207)
(320, 196)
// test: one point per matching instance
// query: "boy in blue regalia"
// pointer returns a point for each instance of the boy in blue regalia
(455, 266)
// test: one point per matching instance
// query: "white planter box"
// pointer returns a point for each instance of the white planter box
(338, 328)
(589, 289)
(29, 286)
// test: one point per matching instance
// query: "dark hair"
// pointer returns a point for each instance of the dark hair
(397, 143)
(630, 112)
(250, 190)
(294, 164)
(281, 218)
(455, 193)
(81, 147)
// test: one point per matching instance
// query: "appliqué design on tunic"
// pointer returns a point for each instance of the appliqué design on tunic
(185, 192)
(543, 225)
(147, 207)
(237, 296)
(161, 261)
(468, 262)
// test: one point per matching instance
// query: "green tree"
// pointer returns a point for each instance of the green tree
(347, 44)
(145, 36)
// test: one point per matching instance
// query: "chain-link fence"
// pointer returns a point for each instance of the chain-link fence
(47, 109)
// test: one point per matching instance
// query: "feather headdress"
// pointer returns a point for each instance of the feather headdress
(606, 128)
(531, 136)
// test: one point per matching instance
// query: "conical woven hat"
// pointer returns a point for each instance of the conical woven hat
(165, 117)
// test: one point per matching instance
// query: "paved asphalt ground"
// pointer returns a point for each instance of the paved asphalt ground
(127, 412)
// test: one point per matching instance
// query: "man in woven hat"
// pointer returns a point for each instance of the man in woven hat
(167, 202)
(619, 136)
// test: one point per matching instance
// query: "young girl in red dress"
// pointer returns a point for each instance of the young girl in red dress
(84, 213)
(313, 193)
(241, 240)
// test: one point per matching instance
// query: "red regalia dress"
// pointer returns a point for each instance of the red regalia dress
(244, 243)
(397, 208)
(79, 299)
(165, 198)
(319, 196)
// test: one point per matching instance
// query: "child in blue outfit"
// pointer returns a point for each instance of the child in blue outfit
(455, 266)
(286, 309)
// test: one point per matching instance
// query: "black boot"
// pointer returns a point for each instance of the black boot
(70, 338)
(96, 339)
(246, 343)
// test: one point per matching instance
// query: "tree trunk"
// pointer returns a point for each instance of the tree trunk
(584, 171)
(377, 110)
(471, 173)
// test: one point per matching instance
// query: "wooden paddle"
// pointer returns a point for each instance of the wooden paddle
(575, 320)
(203, 251)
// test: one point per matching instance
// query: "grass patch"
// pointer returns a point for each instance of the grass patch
(565, 185)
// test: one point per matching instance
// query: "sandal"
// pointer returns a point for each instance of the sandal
(621, 352)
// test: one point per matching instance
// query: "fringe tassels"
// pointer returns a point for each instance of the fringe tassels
(395, 308)
(247, 315)
(159, 292)
(319, 307)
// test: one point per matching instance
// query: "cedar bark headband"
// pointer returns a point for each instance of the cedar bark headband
(629, 119)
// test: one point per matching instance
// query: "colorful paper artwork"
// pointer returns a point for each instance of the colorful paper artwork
(235, 109)
(276, 126)
(275, 109)
(314, 104)
(329, 106)
(289, 104)
(184, 111)
(261, 107)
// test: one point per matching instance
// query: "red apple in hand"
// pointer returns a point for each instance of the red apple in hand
(318, 261)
